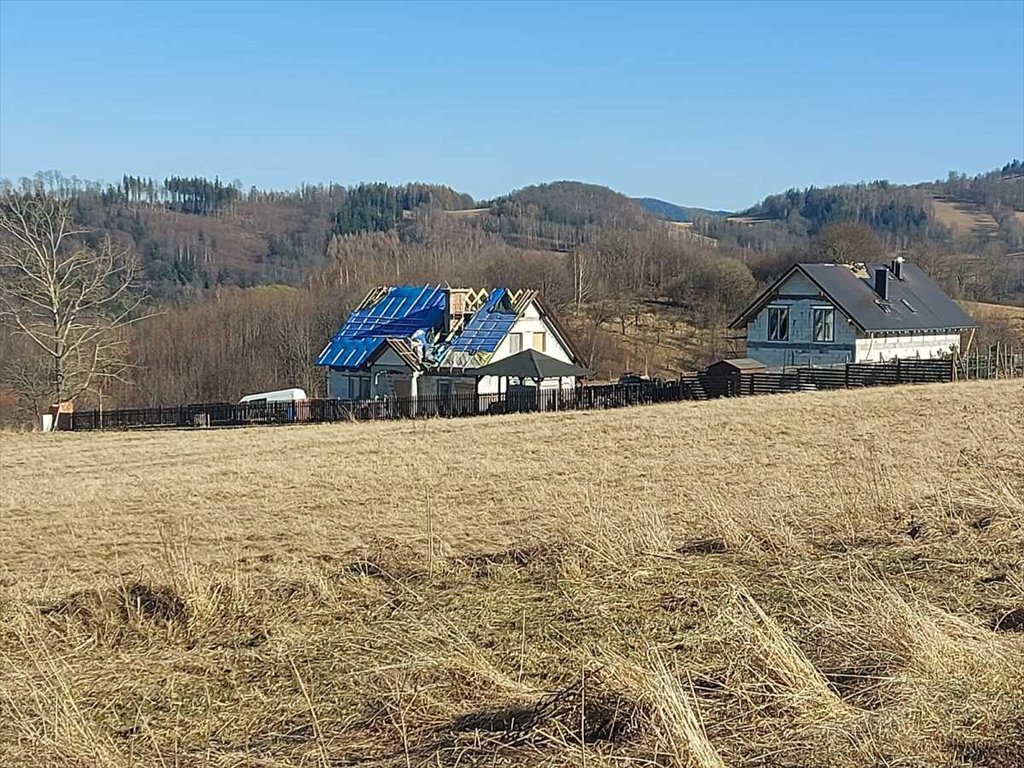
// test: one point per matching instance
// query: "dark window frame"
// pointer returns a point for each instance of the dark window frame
(823, 318)
(779, 326)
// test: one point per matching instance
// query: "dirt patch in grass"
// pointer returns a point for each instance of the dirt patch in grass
(588, 711)
(387, 558)
(703, 547)
(136, 601)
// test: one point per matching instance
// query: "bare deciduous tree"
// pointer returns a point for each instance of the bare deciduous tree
(72, 301)
(846, 241)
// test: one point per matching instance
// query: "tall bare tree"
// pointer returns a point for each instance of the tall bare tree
(845, 241)
(72, 301)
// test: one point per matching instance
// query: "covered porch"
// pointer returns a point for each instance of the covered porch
(522, 378)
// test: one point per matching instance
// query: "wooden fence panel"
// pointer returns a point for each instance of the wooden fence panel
(823, 378)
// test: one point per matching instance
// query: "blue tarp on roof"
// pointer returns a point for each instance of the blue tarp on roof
(403, 311)
(484, 331)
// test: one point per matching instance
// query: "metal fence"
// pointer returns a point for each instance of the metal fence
(699, 386)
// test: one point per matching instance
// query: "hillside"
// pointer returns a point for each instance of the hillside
(571, 203)
(196, 234)
(673, 212)
(963, 217)
(718, 584)
(988, 206)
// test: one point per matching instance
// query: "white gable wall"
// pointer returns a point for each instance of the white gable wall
(529, 323)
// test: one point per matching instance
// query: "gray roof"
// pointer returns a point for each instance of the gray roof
(531, 364)
(914, 302)
(742, 363)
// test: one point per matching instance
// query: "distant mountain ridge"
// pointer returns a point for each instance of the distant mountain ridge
(673, 212)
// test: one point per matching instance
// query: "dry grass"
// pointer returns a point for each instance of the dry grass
(653, 341)
(983, 310)
(962, 216)
(801, 580)
(1009, 314)
(1004, 322)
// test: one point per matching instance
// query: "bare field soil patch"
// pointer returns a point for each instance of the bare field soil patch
(798, 580)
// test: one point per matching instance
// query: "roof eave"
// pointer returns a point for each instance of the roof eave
(906, 330)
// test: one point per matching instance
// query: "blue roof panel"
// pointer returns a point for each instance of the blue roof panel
(401, 312)
(488, 326)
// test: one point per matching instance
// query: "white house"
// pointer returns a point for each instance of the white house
(829, 314)
(426, 341)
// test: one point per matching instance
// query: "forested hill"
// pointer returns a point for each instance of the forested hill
(673, 212)
(195, 234)
(990, 204)
(573, 203)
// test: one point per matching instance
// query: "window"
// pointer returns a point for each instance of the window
(540, 340)
(778, 323)
(515, 342)
(824, 323)
(909, 306)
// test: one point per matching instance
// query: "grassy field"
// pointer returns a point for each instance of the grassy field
(800, 580)
(996, 317)
(982, 311)
(963, 217)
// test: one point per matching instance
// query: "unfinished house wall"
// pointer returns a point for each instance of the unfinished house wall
(881, 347)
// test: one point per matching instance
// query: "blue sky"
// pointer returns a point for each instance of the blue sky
(714, 105)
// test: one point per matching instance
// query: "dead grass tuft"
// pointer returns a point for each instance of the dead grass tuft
(385, 557)
(132, 603)
(588, 711)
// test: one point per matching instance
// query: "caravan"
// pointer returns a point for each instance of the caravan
(280, 405)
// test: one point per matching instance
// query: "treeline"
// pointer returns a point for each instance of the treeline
(194, 195)
(236, 342)
(997, 190)
(902, 215)
(563, 216)
(225, 237)
(195, 235)
(883, 207)
(381, 207)
(571, 203)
